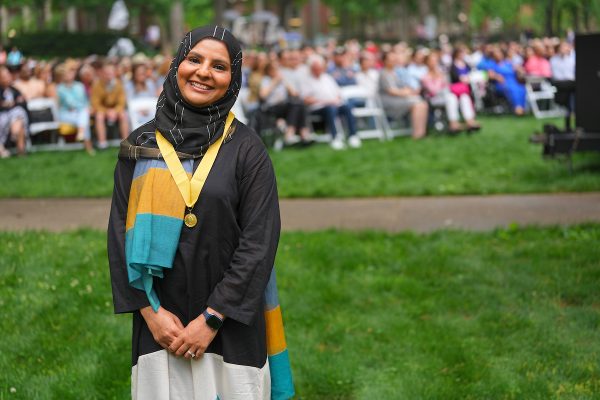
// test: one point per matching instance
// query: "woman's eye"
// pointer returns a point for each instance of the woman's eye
(220, 67)
(193, 60)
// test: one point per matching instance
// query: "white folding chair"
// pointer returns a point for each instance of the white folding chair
(540, 97)
(478, 81)
(371, 110)
(42, 104)
(141, 110)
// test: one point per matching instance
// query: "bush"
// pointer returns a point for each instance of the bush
(69, 44)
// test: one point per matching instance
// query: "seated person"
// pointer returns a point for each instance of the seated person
(292, 68)
(281, 99)
(368, 76)
(437, 89)
(139, 87)
(254, 81)
(13, 114)
(322, 95)
(563, 78)
(108, 101)
(399, 98)
(73, 105)
(341, 70)
(417, 68)
(29, 86)
(507, 84)
(536, 63)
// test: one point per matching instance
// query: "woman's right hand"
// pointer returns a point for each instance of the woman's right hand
(164, 325)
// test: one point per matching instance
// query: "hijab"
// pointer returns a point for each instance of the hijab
(188, 128)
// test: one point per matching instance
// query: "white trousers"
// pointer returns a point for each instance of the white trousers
(452, 106)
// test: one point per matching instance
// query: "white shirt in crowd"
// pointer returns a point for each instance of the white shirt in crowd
(324, 89)
(295, 76)
(369, 81)
(563, 68)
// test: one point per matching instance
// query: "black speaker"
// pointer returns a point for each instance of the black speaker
(587, 82)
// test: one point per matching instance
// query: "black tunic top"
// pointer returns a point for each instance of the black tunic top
(224, 262)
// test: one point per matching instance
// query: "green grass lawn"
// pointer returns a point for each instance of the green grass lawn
(497, 160)
(510, 314)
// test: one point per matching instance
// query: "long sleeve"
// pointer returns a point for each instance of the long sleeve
(125, 297)
(240, 294)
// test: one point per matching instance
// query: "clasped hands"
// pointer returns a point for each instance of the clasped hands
(169, 332)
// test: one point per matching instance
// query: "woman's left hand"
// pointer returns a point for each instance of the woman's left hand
(195, 338)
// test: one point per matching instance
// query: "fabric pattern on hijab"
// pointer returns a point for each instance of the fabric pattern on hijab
(188, 128)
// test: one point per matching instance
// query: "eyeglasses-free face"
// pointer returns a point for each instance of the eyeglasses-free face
(204, 75)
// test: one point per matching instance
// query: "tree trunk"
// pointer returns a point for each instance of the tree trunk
(4, 20)
(549, 17)
(176, 23)
(284, 13)
(315, 20)
(26, 14)
(219, 10)
(575, 14)
(71, 19)
(47, 13)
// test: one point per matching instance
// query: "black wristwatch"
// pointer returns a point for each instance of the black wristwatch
(212, 320)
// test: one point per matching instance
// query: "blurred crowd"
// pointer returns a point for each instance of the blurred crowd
(294, 86)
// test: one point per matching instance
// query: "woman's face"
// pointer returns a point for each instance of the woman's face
(205, 74)
(140, 75)
(432, 61)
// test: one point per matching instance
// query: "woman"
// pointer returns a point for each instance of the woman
(399, 99)
(73, 104)
(13, 114)
(537, 64)
(368, 76)
(255, 79)
(199, 330)
(280, 99)
(507, 83)
(439, 91)
(141, 87)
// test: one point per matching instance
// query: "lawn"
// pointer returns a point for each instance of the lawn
(497, 160)
(509, 314)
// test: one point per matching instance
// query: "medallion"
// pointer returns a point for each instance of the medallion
(190, 220)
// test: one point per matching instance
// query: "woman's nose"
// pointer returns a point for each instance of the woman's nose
(203, 70)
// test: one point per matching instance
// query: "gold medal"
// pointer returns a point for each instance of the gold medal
(190, 220)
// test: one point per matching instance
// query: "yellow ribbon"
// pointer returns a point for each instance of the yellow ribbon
(190, 188)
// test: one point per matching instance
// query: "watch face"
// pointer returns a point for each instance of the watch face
(214, 322)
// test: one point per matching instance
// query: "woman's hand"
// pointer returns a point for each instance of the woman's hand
(164, 325)
(195, 338)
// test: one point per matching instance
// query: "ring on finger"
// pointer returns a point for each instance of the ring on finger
(191, 354)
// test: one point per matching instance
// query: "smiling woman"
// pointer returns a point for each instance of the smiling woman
(205, 74)
(193, 259)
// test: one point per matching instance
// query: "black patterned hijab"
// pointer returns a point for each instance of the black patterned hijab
(191, 129)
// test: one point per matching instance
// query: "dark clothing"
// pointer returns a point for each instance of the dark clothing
(294, 113)
(12, 96)
(224, 262)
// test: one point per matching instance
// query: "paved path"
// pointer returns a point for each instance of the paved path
(420, 214)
